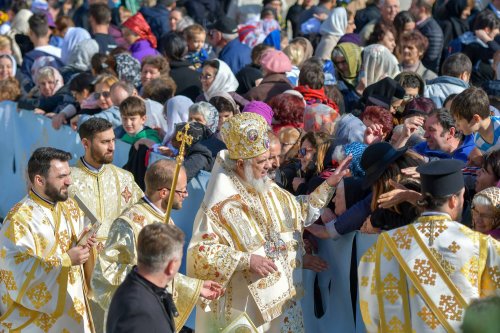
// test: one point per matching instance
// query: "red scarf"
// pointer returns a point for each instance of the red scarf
(140, 27)
(316, 96)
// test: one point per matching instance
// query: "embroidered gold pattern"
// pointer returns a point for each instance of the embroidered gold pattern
(395, 325)
(39, 295)
(365, 312)
(428, 318)
(402, 238)
(391, 292)
(445, 264)
(49, 263)
(436, 228)
(369, 255)
(364, 281)
(451, 308)
(45, 322)
(454, 247)
(8, 279)
(77, 311)
(424, 272)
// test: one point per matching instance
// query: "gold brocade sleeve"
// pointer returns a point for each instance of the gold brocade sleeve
(211, 254)
(32, 281)
(312, 204)
(186, 293)
(114, 262)
(490, 279)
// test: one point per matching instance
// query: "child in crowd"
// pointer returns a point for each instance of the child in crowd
(133, 114)
(471, 110)
(195, 36)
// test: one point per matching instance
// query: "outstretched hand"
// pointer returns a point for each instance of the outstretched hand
(314, 263)
(339, 173)
(318, 231)
(211, 290)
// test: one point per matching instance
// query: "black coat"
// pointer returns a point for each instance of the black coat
(187, 79)
(138, 307)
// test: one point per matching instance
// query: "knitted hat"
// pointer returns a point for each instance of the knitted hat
(273, 61)
(260, 108)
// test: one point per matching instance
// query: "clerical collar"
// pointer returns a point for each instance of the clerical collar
(430, 213)
(48, 202)
(90, 167)
(150, 203)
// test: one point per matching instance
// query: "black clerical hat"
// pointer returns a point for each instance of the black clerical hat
(376, 158)
(441, 178)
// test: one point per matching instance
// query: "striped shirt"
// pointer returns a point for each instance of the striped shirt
(485, 146)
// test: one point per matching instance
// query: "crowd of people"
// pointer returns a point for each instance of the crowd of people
(315, 119)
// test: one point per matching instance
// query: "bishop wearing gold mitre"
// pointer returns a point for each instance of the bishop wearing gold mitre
(42, 286)
(247, 236)
(120, 254)
(421, 277)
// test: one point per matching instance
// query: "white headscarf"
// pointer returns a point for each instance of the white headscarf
(378, 63)
(14, 63)
(80, 56)
(224, 81)
(177, 109)
(73, 37)
(336, 23)
(19, 24)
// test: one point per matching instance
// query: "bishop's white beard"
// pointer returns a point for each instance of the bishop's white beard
(259, 185)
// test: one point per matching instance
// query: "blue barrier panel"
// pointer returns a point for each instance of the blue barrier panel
(23, 132)
(334, 285)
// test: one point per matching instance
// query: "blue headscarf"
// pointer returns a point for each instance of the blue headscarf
(273, 39)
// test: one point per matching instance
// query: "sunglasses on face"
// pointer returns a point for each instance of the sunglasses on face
(304, 151)
(105, 94)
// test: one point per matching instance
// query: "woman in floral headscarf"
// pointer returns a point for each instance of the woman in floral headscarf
(138, 34)
(206, 114)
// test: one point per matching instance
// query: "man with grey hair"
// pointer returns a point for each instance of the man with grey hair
(142, 302)
(388, 11)
(247, 236)
(223, 35)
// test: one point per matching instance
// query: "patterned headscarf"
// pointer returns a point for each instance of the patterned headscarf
(356, 149)
(140, 27)
(128, 69)
(209, 112)
(493, 195)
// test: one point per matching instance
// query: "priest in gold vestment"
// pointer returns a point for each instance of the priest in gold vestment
(421, 277)
(41, 276)
(106, 189)
(247, 236)
(120, 254)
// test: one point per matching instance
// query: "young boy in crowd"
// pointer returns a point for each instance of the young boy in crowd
(471, 110)
(133, 114)
(195, 37)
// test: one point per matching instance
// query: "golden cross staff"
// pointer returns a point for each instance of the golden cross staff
(185, 139)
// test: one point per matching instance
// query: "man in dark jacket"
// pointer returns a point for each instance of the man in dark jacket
(428, 26)
(158, 17)
(142, 303)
